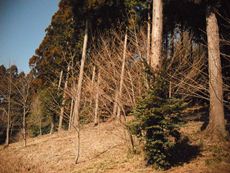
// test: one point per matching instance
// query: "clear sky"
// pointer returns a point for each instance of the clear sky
(22, 28)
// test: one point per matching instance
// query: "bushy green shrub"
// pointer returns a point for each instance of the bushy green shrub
(156, 123)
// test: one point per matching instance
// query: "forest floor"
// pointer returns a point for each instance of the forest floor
(104, 148)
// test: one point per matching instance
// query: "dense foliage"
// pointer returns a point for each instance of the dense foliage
(157, 120)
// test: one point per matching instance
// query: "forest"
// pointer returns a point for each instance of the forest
(122, 86)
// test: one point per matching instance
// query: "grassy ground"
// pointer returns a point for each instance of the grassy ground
(105, 149)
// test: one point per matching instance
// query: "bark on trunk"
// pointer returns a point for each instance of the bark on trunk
(60, 79)
(64, 100)
(80, 79)
(122, 76)
(96, 117)
(24, 124)
(78, 146)
(115, 104)
(51, 125)
(216, 116)
(157, 33)
(93, 80)
(170, 89)
(8, 129)
(8, 111)
(71, 114)
(148, 38)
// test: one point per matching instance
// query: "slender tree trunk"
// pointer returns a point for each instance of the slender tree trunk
(51, 125)
(78, 146)
(63, 100)
(9, 111)
(167, 45)
(148, 37)
(80, 79)
(76, 122)
(93, 80)
(122, 76)
(71, 114)
(8, 128)
(115, 104)
(40, 126)
(182, 35)
(216, 116)
(191, 43)
(170, 89)
(96, 117)
(132, 88)
(157, 33)
(24, 124)
(172, 38)
(60, 79)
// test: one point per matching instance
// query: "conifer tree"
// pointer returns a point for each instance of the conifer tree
(156, 123)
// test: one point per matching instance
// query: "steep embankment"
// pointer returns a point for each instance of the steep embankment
(103, 149)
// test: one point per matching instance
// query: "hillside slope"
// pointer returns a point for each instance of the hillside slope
(103, 149)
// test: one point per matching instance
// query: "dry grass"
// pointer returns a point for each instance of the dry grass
(103, 149)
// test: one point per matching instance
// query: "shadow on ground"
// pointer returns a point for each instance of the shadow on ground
(203, 116)
(184, 152)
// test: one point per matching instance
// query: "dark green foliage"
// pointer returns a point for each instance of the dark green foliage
(45, 110)
(34, 130)
(86, 114)
(157, 120)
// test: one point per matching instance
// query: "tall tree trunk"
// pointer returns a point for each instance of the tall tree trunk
(52, 119)
(76, 122)
(80, 79)
(148, 37)
(96, 117)
(216, 116)
(63, 100)
(122, 76)
(71, 116)
(157, 33)
(9, 111)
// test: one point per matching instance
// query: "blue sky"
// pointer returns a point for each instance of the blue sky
(22, 28)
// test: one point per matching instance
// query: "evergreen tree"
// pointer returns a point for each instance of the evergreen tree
(157, 120)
